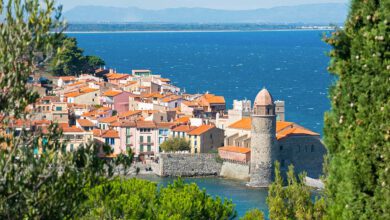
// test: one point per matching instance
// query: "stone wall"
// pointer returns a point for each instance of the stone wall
(235, 170)
(187, 165)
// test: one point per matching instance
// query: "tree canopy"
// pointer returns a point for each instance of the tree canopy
(175, 144)
(141, 199)
(357, 127)
(70, 59)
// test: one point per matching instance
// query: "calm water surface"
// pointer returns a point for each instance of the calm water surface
(291, 64)
(243, 197)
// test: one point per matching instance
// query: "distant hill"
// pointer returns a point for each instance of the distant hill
(307, 14)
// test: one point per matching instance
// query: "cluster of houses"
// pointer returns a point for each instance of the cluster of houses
(138, 111)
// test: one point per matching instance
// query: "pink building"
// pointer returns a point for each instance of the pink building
(233, 153)
(117, 100)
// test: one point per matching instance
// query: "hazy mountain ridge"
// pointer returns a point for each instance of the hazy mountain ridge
(314, 13)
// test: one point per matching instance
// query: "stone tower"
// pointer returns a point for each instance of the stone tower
(263, 131)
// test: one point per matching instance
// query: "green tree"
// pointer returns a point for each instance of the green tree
(357, 127)
(47, 185)
(253, 214)
(141, 199)
(293, 201)
(175, 144)
(70, 59)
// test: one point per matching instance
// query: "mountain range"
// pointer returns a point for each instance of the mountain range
(334, 13)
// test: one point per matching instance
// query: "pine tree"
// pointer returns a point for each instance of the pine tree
(357, 129)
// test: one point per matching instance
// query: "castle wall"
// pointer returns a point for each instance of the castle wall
(304, 152)
(187, 165)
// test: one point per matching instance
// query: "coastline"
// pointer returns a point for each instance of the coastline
(197, 31)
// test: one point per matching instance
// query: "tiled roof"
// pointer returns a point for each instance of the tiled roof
(130, 113)
(82, 91)
(127, 123)
(165, 124)
(184, 119)
(87, 90)
(72, 129)
(111, 93)
(244, 123)
(213, 99)
(108, 119)
(295, 131)
(114, 76)
(110, 134)
(171, 98)
(183, 128)
(76, 83)
(97, 132)
(146, 124)
(73, 94)
(201, 129)
(242, 150)
(85, 123)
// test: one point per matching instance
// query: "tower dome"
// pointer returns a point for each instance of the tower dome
(264, 98)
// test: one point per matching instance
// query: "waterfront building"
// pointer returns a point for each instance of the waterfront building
(205, 138)
(86, 95)
(75, 137)
(269, 140)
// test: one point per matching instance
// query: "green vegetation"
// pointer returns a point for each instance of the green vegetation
(253, 214)
(357, 128)
(175, 144)
(141, 199)
(293, 201)
(69, 60)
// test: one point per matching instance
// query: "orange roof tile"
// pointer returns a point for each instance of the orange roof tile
(146, 124)
(183, 128)
(295, 131)
(76, 83)
(88, 90)
(72, 129)
(246, 124)
(108, 119)
(110, 134)
(242, 150)
(213, 99)
(130, 113)
(85, 123)
(72, 94)
(67, 78)
(184, 119)
(165, 124)
(97, 132)
(201, 130)
(111, 93)
(171, 98)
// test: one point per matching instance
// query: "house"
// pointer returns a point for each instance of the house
(66, 80)
(146, 138)
(164, 128)
(235, 154)
(88, 96)
(205, 138)
(117, 100)
(212, 104)
(85, 124)
(141, 73)
(75, 137)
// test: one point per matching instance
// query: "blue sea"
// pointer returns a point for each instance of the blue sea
(290, 64)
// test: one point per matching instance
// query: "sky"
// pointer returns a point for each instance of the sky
(217, 4)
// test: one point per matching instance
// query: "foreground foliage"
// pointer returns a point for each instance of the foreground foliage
(293, 201)
(357, 129)
(141, 199)
(175, 144)
(253, 214)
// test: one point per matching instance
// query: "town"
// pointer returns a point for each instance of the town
(138, 112)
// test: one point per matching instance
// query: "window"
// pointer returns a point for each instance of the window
(128, 140)
(149, 138)
(79, 137)
(149, 147)
(211, 136)
(107, 140)
(195, 142)
(58, 108)
(281, 147)
(141, 139)
(127, 131)
(160, 140)
(93, 100)
(141, 148)
(196, 150)
(71, 147)
(312, 148)
(160, 131)
(112, 141)
(161, 118)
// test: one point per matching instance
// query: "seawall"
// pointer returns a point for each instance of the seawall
(187, 165)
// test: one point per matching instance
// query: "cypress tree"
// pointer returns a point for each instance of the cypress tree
(357, 128)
